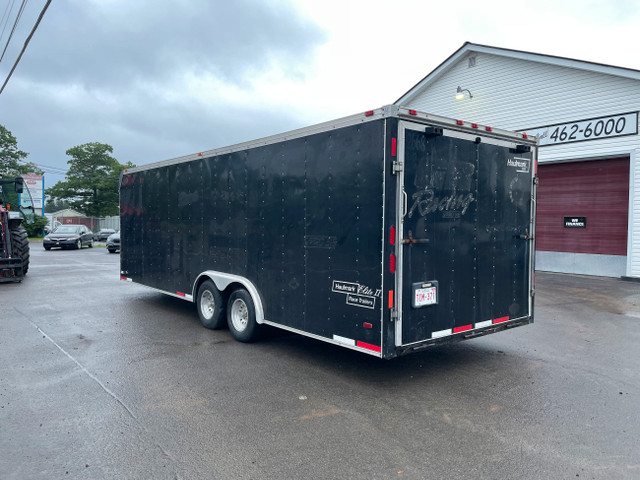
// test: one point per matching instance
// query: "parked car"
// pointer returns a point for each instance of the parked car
(113, 242)
(68, 236)
(103, 234)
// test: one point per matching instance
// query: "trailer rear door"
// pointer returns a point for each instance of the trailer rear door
(465, 228)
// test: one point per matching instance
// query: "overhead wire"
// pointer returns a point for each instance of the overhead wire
(7, 15)
(33, 30)
(15, 25)
(47, 168)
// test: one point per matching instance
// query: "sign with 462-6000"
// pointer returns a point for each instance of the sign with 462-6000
(589, 129)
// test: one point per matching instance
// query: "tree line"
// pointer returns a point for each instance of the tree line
(91, 182)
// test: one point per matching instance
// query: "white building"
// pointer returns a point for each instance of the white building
(586, 115)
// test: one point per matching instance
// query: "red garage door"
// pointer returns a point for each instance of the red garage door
(596, 191)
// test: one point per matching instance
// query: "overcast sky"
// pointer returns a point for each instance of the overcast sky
(159, 79)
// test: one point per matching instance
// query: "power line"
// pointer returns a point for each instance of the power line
(7, 15)
(15, 24)
(44, 9)
(52, 170)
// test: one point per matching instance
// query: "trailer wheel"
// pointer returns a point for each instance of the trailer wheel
(210, 305)
(241, 317)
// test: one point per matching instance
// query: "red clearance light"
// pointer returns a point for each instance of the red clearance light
(392, 235)
(413, 112)
(368, 113)
(367, 325)
(459, 122)
(474, 125)
(199, 154)
(392, 263)
(488, 129)
(394, 147)
(524, 135)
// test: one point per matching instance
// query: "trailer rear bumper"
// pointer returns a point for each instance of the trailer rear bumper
(465, 335)
(11, 270)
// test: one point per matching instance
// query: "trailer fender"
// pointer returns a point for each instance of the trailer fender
(223, 280)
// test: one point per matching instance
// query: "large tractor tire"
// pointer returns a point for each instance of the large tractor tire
(20, 245)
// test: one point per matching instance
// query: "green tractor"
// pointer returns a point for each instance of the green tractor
(14, 242)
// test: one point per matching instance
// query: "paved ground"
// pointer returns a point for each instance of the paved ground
(101, 378)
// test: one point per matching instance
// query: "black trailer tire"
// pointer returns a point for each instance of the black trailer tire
(211, 305)
(20, 245)
(241, 317)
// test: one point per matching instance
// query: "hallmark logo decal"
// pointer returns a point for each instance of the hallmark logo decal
(356, 294)
(521, 165)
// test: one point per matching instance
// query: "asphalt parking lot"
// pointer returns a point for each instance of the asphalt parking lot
(102, 378)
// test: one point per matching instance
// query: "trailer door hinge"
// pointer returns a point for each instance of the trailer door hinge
(394, 314)
(398, 167)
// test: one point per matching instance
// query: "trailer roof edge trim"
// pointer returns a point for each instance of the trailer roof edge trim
(363, 117)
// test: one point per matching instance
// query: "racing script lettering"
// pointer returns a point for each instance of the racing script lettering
(425, 201)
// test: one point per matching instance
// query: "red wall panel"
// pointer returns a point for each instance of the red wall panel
(597, 190)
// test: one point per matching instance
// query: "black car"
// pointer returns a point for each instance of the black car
(113, 242)
(103, 234)
(68, 236)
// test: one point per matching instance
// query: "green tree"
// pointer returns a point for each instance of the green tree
(91, 183)
(52, 206)
(12, 159)
(35, 228)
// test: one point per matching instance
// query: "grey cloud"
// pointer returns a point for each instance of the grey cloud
(118, 54)
(101, 44)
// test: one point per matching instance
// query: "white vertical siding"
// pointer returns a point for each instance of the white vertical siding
(519, 94)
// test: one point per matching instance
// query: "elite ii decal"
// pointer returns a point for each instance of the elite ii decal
(356, 294)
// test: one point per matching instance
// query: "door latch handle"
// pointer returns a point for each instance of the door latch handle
(525, 235)
(405, 209)
(411, 241)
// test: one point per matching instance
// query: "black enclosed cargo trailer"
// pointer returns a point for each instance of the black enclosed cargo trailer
(385, 232)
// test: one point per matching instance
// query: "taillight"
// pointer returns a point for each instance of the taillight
(392, 263)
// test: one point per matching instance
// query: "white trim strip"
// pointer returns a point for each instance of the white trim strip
(442, 333)
(487, 323)
(344, 340)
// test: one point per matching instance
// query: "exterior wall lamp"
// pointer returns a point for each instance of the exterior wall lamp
(460, 93)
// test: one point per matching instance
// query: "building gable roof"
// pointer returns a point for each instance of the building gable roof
(67, 212)
(468, 47)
